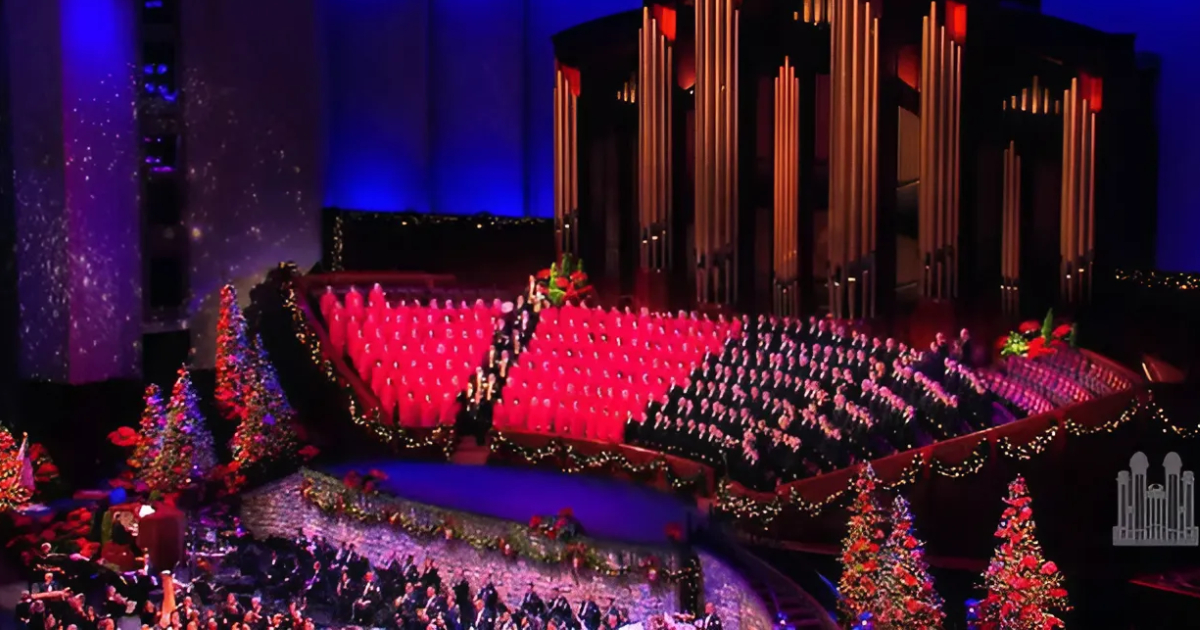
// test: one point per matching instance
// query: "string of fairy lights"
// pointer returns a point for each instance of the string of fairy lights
(440, 438)
(333, 497)
(1172, 281)
(571, 461)
(760, 512)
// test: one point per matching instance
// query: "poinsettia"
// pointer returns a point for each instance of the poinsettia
(564, 282)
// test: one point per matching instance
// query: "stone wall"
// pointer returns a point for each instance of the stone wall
(279, 509)
(736, 603)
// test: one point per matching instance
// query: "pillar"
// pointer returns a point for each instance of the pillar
(75, 165)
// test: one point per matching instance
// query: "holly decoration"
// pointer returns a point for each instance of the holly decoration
(1024, 590)
(909, 599)
(564, 282)
(862, 573)
(235, 360)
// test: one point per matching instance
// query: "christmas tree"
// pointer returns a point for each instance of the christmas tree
(268, 386)
(186, 431)
(150, 430)
(909, 599)
(16, 491)
(235, 361)
(261, 436)
(1024, 590)
(861, 570)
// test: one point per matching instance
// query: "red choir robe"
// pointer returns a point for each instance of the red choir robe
(376, 298)
(515, 416)
(449, 409)
(354, 302)
(409, 412)
(500, 415)
(537, 416)
(328, 301)
(387, 403)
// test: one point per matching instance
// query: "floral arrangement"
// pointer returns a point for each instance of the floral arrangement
(862, 572)
(1024, 590)
(66, 532)
(347, 500)
(1032, 339)
(564, 282)
(563, 527)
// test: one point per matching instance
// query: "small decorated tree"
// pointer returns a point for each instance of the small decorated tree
(186, 429)
(909, 599)
(268, 386)
(1024, 590)
(150, 430)
(261, 437)
(235, 360)
(16, 483)
(861, 569)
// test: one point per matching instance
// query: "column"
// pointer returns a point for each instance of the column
(1122, 527)
(716, 128)
(75, 164)
(854, 89)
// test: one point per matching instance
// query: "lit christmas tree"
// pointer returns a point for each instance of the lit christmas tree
(186, 430)
(261, 436)
(150, 431)
(16, 487)
(235, 360)
(909, 599)
(275, 399)
(1025, 591)
(861, 570)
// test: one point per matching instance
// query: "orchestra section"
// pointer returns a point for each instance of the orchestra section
(855, 157)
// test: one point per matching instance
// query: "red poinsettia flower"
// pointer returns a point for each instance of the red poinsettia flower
(674, 532)
(352, 480)
(1058, 593)
(552, 534)
(1039, 348)
(1049, 568)
(579, 278)
(1029, 327)
(124, 437)
(46, 471)
(566, 512)
(308, 452)
(561, 282)
(913, 605)
(535, 522)
(543, 274)
(377, 475)
(1062, 331)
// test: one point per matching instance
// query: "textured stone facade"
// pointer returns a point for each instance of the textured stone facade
(278, 509)
(737, 605)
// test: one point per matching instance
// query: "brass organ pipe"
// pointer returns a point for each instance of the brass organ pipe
(1080, 216)
(1066, 173)
(655, 89)
(1090, 243)
(923, 157)
(778, 180)
(1072, 174)
(573, 163)
(558, 183)
(955, 142)
(734, 202)
(701, 137)
(668, 155)
(718, 161)
(1006, 223)
(873, 162)
(641, 139)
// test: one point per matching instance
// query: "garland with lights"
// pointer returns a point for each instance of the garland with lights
(1173, 281)
(569, 460)
(1030, 449)
(235, 360)
(337, 498)
(1024, 591)
(908, 598)
(442, 438)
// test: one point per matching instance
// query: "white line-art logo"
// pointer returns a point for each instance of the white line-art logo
(1156, 515)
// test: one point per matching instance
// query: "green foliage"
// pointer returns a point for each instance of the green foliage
(1048, 325)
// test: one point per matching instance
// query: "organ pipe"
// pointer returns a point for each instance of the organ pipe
(716, 151)
(817, 11)
(787, 190)
(938, 198)
(1077, 236)
(1010, 249)
(566, 165)
(654, 144)
(853, 192)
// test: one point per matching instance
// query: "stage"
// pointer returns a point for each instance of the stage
(609, 509)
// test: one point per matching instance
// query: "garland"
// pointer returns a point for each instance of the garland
(762, 513)
(334, 497)
(1173, 281)
(569, 460)
(442, 438)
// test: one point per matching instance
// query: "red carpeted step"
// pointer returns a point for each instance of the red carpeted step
(470, 453)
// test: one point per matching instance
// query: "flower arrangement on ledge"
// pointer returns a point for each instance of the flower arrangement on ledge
(563, 527)
(1032, 340)
(564, 282)
(24, 470)
(350, 500)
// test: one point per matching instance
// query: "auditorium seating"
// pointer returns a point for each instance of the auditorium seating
(587, 370)
(416, 358)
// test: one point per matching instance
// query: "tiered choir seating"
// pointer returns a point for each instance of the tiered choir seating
(416, 358)
(587, 370)
(790, 400)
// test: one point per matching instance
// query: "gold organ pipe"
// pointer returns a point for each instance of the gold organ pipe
(1090, 243)
(777, 184)
(735, 35)
(642, 166)
(701, 168)
(1080, 231)
(923, 175)
(955, 142)
(1006, 245)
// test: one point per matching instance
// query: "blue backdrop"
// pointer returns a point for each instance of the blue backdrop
(444, 105)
